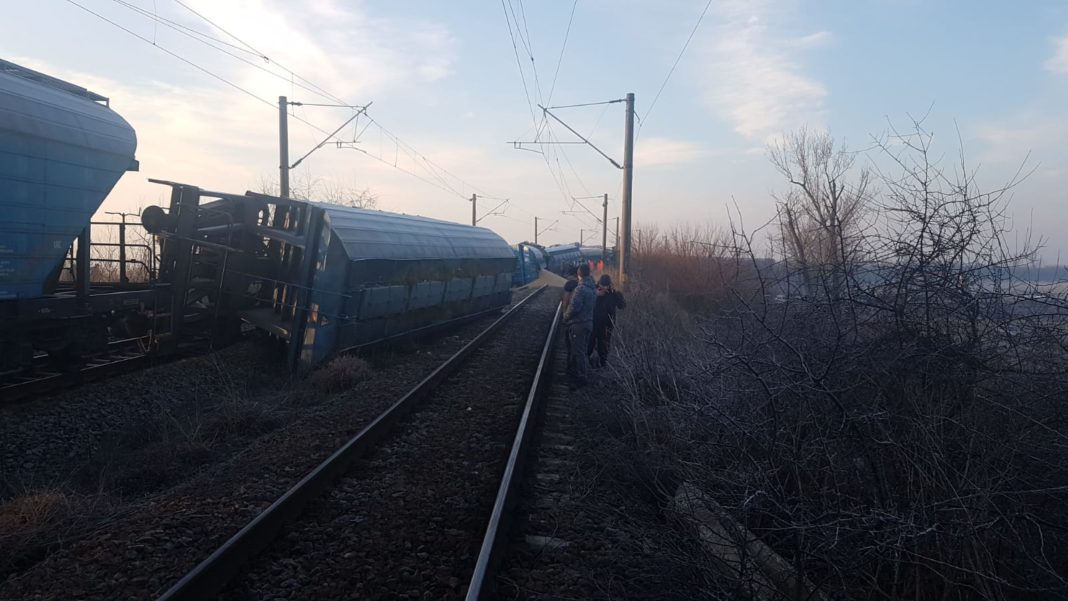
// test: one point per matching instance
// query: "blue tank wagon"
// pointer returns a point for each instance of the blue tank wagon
(323, 278)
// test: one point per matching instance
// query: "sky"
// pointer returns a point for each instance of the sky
(452, 84)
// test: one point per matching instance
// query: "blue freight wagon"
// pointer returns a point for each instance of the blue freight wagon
(529, 261)
(62, 150)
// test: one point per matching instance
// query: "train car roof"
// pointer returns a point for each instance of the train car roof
(559, 248)
(371, 234)
(9, 68)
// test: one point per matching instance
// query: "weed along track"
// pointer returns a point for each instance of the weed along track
(406, 515)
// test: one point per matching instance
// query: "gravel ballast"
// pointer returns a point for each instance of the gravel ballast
(588, 525)
(408, 520)
(135, 547)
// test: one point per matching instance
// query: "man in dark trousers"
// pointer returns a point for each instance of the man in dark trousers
(579, 319)
(571, 275)
(609, 300)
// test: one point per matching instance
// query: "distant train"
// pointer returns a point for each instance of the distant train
(560, 257)
(322, 278)
(530, 259)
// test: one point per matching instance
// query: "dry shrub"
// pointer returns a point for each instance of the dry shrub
(697, 266)
(32, 510)
(894, 426)
(341, 373)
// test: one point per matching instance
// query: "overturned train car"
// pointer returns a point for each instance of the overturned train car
(530, 259)
(323, 278)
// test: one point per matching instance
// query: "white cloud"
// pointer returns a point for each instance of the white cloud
(340, 46)
(754, 80)
(814, 40)
(1013, 139)
(1058, 63)
(652, 152)
(203, 132)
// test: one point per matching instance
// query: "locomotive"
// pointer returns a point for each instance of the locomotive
(322, 279)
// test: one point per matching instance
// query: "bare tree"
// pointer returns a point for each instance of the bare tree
(305, 186)
(821, 214)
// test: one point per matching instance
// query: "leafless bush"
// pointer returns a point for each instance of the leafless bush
(305, 186)
(340, 374)
(686, 261)
(897, 431)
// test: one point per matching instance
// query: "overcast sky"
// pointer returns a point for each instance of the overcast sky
(445, 78)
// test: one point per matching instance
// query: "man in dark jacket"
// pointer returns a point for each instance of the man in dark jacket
(579, 319)
(604, 318)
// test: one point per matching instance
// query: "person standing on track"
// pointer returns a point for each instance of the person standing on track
(571, 274)
(609, 300)
(579, 320)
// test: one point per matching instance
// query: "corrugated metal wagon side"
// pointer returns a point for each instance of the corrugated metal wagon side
(384, 275)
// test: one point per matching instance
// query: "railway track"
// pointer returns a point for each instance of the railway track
(416, 501)
(120, 356)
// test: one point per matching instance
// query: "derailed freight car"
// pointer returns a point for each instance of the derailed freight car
(529, 261)
(323, 278)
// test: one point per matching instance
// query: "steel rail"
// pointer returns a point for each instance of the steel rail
(497, 530)
(213, 573)
(117, 359)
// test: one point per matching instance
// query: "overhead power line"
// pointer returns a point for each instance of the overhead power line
(434, 170)
(176, 25)
(571, 106)
(262, 55)
(563, 47)
(641, 122)
(211, 42)
(174, 54)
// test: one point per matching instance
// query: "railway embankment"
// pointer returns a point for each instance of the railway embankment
(120, 462)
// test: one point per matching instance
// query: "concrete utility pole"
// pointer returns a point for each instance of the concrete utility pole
(623, 237)
(474, 209)
(628, 183)
(283, 147)
(535, 230)
(604, 230)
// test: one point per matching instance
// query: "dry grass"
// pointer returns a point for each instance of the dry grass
(32, 510)
(340, 374)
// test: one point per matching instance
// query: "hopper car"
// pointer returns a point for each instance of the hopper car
(62, 149)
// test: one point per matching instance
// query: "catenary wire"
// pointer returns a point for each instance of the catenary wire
(425, 163)
(211, 41)
(560, 59)
(641, 122)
